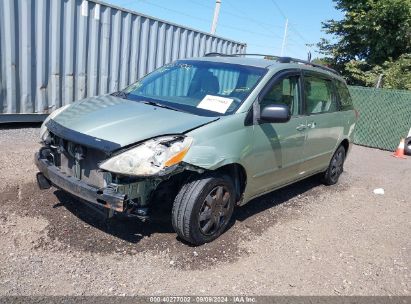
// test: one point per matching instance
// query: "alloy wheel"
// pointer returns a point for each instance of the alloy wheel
(337, 165)
(215, 210)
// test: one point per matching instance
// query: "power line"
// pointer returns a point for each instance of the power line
(260, 46)
(279, 9)
(246, 16)
(291, 26)
(291, 48)
(296, 42)
(202, 4)
(263, 25)
(174, 11)
(298, 33)
(207, 21)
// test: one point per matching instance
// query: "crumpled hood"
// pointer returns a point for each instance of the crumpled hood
(123, 122)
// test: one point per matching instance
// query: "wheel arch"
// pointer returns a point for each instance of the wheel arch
(238, 174)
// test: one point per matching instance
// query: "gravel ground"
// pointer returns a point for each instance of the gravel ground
(306, 239)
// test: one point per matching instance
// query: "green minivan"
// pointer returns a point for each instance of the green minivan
(202, 136)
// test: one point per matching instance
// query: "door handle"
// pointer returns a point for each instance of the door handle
(301, 127)
(311, 125)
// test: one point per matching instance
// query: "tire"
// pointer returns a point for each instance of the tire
(407, 146)
(203, 208)
(335, 168)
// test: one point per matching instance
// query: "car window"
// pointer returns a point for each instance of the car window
(198, 87)
(159, 86)
(318, 95)
(345, 97)
(227, 80)
(284, 92)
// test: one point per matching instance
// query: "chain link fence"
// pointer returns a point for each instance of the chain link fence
(385, 116)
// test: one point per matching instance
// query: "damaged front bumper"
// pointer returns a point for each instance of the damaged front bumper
(106, 197)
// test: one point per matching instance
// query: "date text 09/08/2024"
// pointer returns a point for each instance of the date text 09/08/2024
(203, 299)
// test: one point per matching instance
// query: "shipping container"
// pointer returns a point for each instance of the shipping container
(53, 52)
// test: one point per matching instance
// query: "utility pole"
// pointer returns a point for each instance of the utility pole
(215, 18)
(379, 81)
(285, 37)
(309, 47)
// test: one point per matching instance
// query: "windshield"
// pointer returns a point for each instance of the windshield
(198, 87)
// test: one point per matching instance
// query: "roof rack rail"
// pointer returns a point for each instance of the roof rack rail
(216, 54)
(277, 58)
(316, 65)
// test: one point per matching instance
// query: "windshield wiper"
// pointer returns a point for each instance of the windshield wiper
(124, 95)
(120, 94)
(160, 105)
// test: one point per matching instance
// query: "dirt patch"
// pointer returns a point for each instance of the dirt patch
(75, 226)
(305, 239)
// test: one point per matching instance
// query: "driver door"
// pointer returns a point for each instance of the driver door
(278, 148)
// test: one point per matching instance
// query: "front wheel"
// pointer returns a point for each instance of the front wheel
(203, 208)
(335, 168)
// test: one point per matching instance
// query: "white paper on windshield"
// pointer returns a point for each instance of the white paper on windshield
(215, 103)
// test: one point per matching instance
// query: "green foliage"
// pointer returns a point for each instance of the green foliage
(373, 38)
(323, 61)
(398, 73)
(372, 30)
(395, 74)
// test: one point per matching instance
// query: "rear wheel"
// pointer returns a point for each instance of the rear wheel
(335, 168)
(203, 208)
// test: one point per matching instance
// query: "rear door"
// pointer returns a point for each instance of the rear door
(324, 125)
(278, 147)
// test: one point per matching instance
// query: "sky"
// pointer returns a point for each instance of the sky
(259, 23)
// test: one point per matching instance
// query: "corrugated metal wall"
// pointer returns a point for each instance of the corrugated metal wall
(53, 52)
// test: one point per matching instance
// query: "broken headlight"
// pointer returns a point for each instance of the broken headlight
(150, 157)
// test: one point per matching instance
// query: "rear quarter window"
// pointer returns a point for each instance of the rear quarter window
(319, 95)
(344, 96)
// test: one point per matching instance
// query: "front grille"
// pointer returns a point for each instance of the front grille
(80, 162)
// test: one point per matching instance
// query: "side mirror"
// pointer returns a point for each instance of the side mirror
(275, 113)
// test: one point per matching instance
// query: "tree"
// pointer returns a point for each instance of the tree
(323, 61)
(372, 34)
(396, 74)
